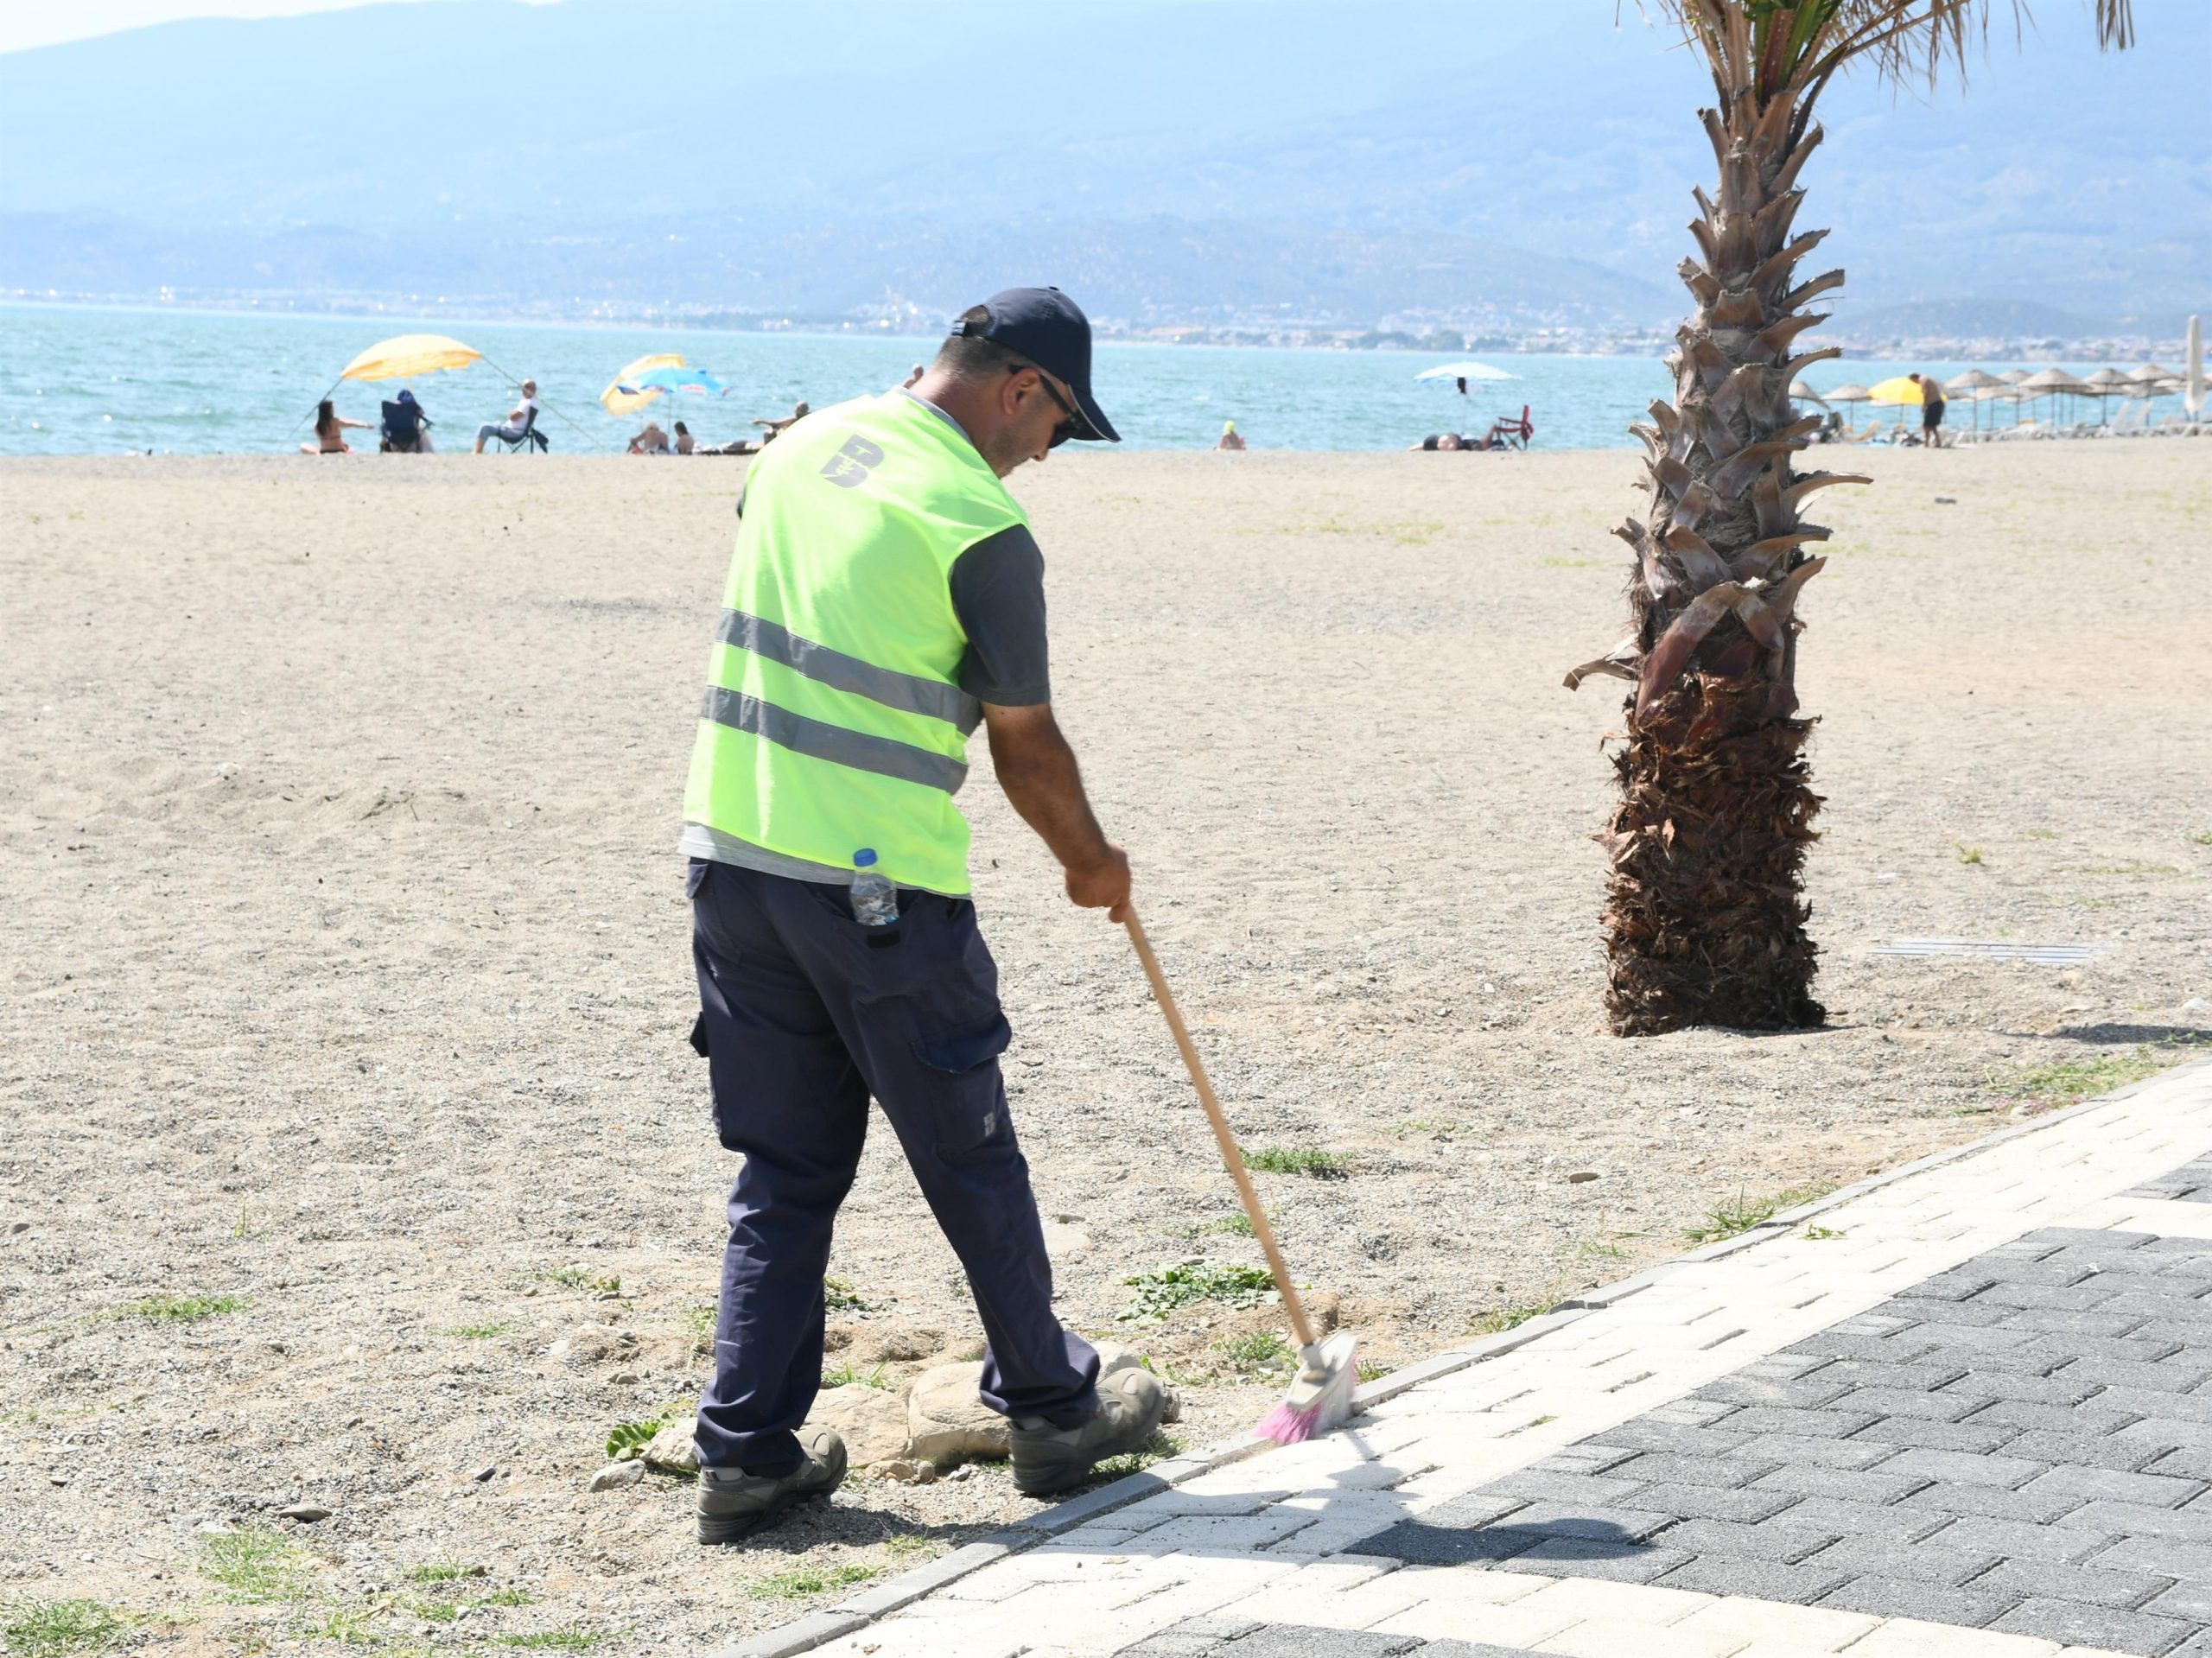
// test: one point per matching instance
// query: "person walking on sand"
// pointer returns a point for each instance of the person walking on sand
(886, 597)
(517, 421)
(1931, 408)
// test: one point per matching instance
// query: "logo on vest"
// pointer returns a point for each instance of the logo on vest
(849, 468)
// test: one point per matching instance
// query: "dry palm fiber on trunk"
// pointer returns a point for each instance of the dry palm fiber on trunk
(1705, 917)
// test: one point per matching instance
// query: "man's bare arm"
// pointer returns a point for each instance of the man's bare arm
(1037, 769)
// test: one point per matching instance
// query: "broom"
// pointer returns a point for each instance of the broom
(1320, 1396)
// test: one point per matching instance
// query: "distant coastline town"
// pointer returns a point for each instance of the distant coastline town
(1949, 332)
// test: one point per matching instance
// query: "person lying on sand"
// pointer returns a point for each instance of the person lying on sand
(330, 431)
(1446, 441)
(813, 835)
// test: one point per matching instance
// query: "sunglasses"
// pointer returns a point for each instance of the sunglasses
(1068, 427)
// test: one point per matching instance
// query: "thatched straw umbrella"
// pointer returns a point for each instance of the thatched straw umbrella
(1971, 383)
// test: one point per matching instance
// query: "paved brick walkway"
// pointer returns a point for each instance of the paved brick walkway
(1967, 1412)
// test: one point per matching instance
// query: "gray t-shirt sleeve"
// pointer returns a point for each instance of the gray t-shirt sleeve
(998, 592)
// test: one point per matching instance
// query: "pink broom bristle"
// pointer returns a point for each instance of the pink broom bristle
(1320, 1398)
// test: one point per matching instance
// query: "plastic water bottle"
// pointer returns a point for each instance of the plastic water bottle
(875, 900)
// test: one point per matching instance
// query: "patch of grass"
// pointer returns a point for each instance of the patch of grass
(1553, 562)
(50, 1629)
(557, 1640)
(443, 1572)
(348, 1625)
(1823, 1234)
(1188, 1282)
(1261, 1351)
(182, 1309)
(838, 1295)
(583, 1278)
(1542, 1421)
(256, 1568)
(1597, 1251)
(2130, 869)
(846, 1374)
(1312, 1160)
(244, 1226)
(481, 1332)
(1498, 1320)
(698, 1320)
(1374, 1370)
(1967, 853)
(2198, 837)
(1441, 1126)
(2080, 1079)
(1238, 1225)
(1733, 1218)
(1135, 1462)
(807, 1580)
(909, 1545)
(505, 1597)
(2039, 835)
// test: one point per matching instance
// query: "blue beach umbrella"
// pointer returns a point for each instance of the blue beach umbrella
(673, 378)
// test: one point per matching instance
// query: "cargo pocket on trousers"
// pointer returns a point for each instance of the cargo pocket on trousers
(971, 1115)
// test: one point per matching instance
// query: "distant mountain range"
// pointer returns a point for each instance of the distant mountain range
(1205, 161)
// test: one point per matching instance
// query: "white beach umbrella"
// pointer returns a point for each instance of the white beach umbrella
(2192, 385)
(1469, 370)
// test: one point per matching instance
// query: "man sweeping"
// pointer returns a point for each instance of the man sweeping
(886, 596)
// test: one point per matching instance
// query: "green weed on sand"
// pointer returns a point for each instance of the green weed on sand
(182, 1309)
(257, 1568)
(807, 1580)
(1312, 1160)
(2070, 1080)
(54, 1629)
(1732, 1217)
(1188, 1282)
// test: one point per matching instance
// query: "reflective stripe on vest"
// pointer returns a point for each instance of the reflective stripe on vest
(833, 720)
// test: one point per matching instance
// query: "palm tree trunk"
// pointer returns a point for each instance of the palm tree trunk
(1705, 919)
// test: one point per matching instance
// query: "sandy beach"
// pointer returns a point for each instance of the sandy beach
(355, 1155)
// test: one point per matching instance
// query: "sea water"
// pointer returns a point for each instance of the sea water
(87, 380)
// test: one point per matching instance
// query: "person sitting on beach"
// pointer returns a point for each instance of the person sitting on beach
(330, 431)
(651, 441)
(771, 429)
(517, 421)
(684, 445)
(420, 443)
(1230, 437)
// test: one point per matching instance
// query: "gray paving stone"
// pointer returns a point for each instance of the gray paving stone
(1807, 1392)
(1922, 1562)
(1194, 1637)
(1539, 1484)
(2094, 1586)
(1449, 1648)
(1617, 1526)
(1964, 1468)
(2060, 1389)
(1932, 1603)
(2185, 1462)
(2089, 1450)
(2027, 1413)
(1913, 1402)
(1953, 1341)
(1760, 1580)
(1995, 1502)
(2192, 1525)
(2158, 1404)
(1867, 1520)
(1657, 1468)
(2046, 1322)
(2019, 1540)
(1855, 1484)
(2190, 1600)
(1639, 1436)
(2168, 1557)
(1420, 1544)
(1822, 1453)
(1474, 1509)
(1296, 1641)
(1711, 1502)
(1980, 1312)
(1924, 1373)
(1584, 1557)
(2108, 1485)
(1776, 1541)
(1814, 1424)
(2128, 1350)
(2093, 1626)
(1923, 1433)
(2078, 1297)
(1961, 1284)
(1882, 1350)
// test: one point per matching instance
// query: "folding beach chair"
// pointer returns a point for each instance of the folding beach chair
(402, 430)
(527, 438)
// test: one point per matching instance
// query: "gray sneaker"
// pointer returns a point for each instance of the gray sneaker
(1047, 1459)
(733, 1505)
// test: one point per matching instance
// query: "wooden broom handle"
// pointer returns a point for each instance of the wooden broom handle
(1231, 1158)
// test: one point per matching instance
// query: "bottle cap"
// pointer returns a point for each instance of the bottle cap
(864, 857)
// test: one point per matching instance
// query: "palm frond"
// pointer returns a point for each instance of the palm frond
(1767, 47)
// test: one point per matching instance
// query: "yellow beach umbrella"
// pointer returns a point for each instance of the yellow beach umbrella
(1897, 389)
(617, 400)
(408, 355)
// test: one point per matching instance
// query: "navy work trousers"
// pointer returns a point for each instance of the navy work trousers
(806, 1013)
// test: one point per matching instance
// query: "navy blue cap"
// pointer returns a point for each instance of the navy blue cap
(1049, 329)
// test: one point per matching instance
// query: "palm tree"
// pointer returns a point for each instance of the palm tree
(1705, 914)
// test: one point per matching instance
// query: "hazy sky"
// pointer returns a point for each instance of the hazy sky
(23, 24)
